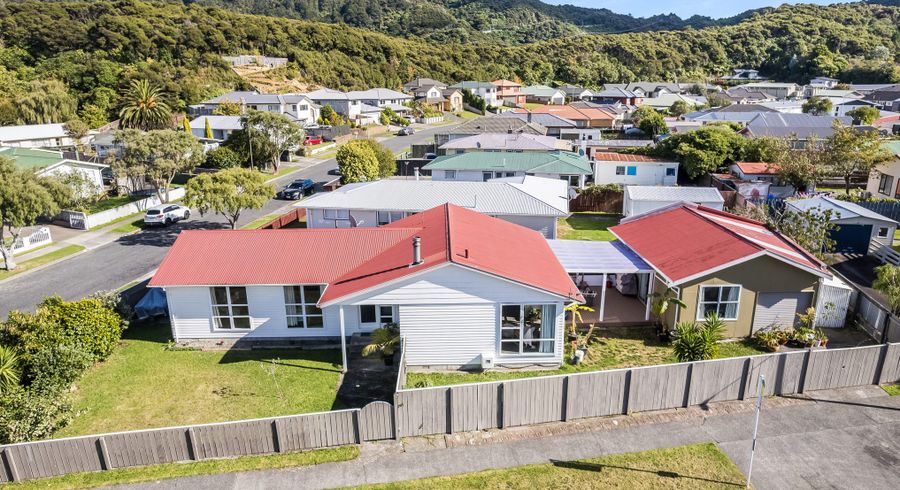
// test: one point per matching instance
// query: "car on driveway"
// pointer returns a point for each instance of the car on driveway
(407, 131)
(296, 189)
(166, 214)
(313, 140)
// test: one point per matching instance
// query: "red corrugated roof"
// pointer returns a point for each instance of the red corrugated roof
(688, 240)
(757, 168)
(355, 259)
(607, 156)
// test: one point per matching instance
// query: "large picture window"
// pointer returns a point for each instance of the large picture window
(300, 306)
(380, 314)
(721, 300)
(527, 329)
(388, 217)
(229, 308)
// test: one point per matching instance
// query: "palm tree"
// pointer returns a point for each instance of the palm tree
(384, 340)
(662, 302)
(144, 107)
(10, 369)
(575, 309)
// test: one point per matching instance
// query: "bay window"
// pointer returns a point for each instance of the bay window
(230, 310)
(721, 300)
(527, 329)
(300, 306)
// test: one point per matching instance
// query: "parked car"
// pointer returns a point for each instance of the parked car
(430, 156)
(296, 189)
(313, 140)
(406, 131)
(166, 214)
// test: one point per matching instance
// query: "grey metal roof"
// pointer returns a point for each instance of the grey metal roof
(377, 94)
(593, 257)
(496, 124)
(32, 132)
(506, 141)
(801, 126)
(217, 122)
(841, 210)
(673, 193)
(544, 119)
(532, 196)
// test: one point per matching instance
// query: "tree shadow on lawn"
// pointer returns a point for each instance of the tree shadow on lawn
(598, 467)
(592, 222)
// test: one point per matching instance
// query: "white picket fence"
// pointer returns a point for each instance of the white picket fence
(39, 237)
(79, 220)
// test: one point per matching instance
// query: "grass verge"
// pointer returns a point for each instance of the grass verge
(893, 389)
(624, 348)
(694, 466)
(176, 470)
(41, 260)
(134, 388)
(467, 115)
(260, 221)
(587, 226)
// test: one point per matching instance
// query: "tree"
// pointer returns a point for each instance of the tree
(817, 106)
(662, 302)
(47, 101)
(186, 125)
(811, 229)
(157, 156)
(144, 107)
(227, 108)
(10, 368)
(887, 281)
(357, 162)
(679, 108)
(799, 168)
(703, 150)
(387, 162)
(207, 129)
(271, 134)
(23, 199)
(864, 115)
(329, 116)
(851, 151)
(228, 192)
(77, 130)
(221, 158)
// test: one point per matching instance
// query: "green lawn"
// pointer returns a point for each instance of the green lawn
(111, 202)
(260, 221)
(175, 470)
(467, 115)
(282, 171)
(533, 105)
(694, 466)
(145, 385)
(41, 260)
(587, 226)
(624, 348)
(892, 390)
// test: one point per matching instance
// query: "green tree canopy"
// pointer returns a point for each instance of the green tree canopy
(703, 150)
(387, 162)
(158, 156)
(852, 151)
(228, 192)
(357, 162)
(649, 121)
(818, 106)
(144, 107)
(679, 108)
(46, 101)
(864, 115)
(271, 134)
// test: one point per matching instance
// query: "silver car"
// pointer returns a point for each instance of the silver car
(166, 214)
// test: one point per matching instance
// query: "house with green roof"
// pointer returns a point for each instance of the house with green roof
(53, 162)
(485, 165)
(543, 94)
(884, 181)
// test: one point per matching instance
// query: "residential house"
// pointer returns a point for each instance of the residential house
(799, 127)
(37, 136)
(624, 169)
(487, 124)
(298, 107)
(857, 228)
(884, 181)
(663, 102)
(573, 92)
(220, 127)
(868, 88)
(784, 106)
(753, 278)
(601, 112)
(887, 99)
(542, 94)
(465, 289)
(555, 124)
(483, 166)
(431, 95)
(776, 90)
(352, 108)
(830, 93)
(532, 202)
(639, 199)
(599, 145)
(744, 95)
(509, 92)
(453, 100)
(53, 162)
(582, 114)
(485, 90)
(617, 95)
(840, 107)
(257, 60)
(382, 98)
(756, 171)
(742, 75)
(825, 82)
(503, 142)
(415, 86)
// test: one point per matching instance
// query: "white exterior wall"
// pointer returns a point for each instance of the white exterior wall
(546, 225)
(92, 174)
(633, 207)
(467, 175)
(315, 218)
(647, 173)
(876, 224)
(890, 168)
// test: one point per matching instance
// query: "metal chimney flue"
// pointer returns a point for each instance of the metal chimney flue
(417, 251)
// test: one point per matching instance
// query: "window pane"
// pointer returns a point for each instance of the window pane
(220, 296)
(241, 322)
(710, 294)
(294, 310)
(533, 317)
(294, 322)
(728, 310)
(383, 217)
(238, 295)
(509, 333)
(367, 314)
(343, 214)
(730, 293)
(240, 311)
(314, 322)
(510, 347)
(222, 322)
(313, 310)
(220, 311)
(510, 315)
(707, 308)
(386, 312)
(292, 294)
(396, 215)
(311, 294)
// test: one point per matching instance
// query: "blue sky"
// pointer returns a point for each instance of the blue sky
(711, 8)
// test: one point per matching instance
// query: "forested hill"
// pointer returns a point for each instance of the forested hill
(508, 21)
(95, 48)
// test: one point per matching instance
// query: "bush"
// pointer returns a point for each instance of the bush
(771, 340)
(27, 414)
(222, 157)
(698, 342)
(56, 367)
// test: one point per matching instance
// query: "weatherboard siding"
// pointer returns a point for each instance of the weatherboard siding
(545, 225)
(645, 174)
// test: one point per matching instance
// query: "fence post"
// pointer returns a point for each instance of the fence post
(449, 409)
(192, 444)
(11, 463)
(882, 358)
(804, 371)
(104, 453)
(626, 397)
(356, 429)
(276, 433)
(745, 378)
(396, 419)
(500, 399)
(565, 399)
(687, 386)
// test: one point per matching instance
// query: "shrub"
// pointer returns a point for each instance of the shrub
(56, 367)
(27, 414)
(771, 340)
(222, 157)
(10, 368)
(698, 342)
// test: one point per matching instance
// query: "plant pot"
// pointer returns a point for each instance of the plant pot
(579, 355)
(572, 337)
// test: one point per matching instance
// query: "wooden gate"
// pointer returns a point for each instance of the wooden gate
(376, 421)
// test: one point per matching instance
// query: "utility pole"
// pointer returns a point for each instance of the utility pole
(760, 388)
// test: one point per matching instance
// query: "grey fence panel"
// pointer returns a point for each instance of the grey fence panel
(5, 477)
(842, 367)
(422, 412)
(889, 209)
(596, 394)
(376, 421)
(890, 370)
(316, 430)
(658, 387)
(719, 380)
(871, 316)
(55, 457)
(237, 439)
(533, 401)
(127, 449)
(475, 407)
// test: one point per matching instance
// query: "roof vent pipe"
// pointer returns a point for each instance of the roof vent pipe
(417, 251)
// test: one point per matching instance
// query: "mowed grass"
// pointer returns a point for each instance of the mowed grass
(41, 260)
(624, 348)
(145, 385)
(467, 115)
(587, 226)
(108, 203)
(892, 390)
(175, 470)
(694, 466)
(258, 222)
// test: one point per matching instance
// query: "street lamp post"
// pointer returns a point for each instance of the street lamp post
(760, 388)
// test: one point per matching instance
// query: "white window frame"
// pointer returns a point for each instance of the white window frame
(230, 305)
(885, 229)
(449, 174)
(569, 178)
(521, 329)
(379, 315)
(486, 176)
(622, 168)
(700, 302)
(303, 305)
(337, 216)
(390, 215)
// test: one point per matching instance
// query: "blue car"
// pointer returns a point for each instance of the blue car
(297, 189)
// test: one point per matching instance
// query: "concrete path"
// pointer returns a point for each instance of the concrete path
(835, 439)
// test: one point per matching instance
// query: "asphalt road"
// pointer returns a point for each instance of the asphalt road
(131, 257)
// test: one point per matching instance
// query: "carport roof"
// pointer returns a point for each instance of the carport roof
(592, 257)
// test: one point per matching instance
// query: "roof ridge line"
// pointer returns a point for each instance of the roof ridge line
(693, 210)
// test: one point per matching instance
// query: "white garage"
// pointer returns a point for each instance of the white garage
(640, 199)
(779, 309)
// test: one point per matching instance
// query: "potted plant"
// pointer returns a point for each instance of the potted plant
(771, 340)
(385, 340)
(575, 309)
(581, 344)
(660, 305)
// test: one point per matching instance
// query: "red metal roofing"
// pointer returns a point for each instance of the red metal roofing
(608, 156)
(687, 240)
(757, 168)
(355, 259)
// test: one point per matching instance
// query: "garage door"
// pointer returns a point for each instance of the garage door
(779, 309)
(851, 239)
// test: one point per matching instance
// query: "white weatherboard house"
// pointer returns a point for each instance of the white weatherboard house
(857, 228)
(466, 290)
(644, 198)
(220, 127)
(52, 162)
(624, 169)
(36, 136)
(532, 202)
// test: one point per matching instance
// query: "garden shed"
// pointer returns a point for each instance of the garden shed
(857, 228)
(643, 198)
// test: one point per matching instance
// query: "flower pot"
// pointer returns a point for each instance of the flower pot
(579, 355)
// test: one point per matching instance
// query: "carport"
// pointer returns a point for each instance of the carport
(614, 280)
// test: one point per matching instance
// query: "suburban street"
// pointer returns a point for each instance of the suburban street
(133, 256)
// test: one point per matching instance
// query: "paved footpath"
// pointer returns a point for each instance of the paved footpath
(846, 438)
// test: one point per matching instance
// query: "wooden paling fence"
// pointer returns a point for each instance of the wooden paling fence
(460, 408)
